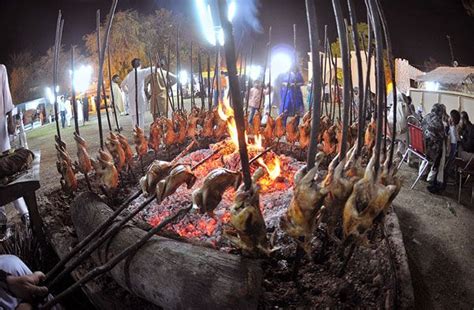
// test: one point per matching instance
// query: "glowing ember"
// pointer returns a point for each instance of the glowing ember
(275, 185)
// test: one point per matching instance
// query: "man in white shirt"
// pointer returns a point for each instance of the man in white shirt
(62, 111)
(118, 96)
(7, 127)
(136, 95)
(158, 94)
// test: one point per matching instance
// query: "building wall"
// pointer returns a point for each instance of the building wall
(452, 100)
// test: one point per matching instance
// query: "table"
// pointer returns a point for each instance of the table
(26, 186)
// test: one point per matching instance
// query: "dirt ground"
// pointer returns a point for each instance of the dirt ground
(436, 229)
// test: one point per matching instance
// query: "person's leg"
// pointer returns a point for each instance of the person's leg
(22, 209)
(252, 114)
(16, 267)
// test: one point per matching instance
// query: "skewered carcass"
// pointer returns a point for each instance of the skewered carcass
(84, 160)
(369, 138)
(127, 150)
(105, 168)
(208, 125)
(182, 125)
(367, 201)
(307, 200)
(141, 144)
(292, 133)
(248, 230)
(221, 129)
(193, 119)
(179, 175)
(170, 137)
(65, 168)
(115, 148)
(339, 187)
(156, 132)
(304, 133)
(209, 195)
(156, 172)
(279, 127)
(256, 123)
(268, 130)
(329, 141)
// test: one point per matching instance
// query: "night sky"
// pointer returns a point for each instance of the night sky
(418, 27)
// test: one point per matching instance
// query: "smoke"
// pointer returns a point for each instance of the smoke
(247, 14)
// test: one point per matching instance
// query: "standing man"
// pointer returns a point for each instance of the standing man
(7, 126)
(136, 92)
(118, 96)
(85, 108)
(62, 111)
(158, 92)
(291, 95)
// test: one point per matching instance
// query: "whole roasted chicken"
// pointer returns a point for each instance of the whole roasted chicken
(126, 149)
(65, 168)
(156, 172)
(208, 125)
(156, 132)
(256, 123)
(279, 127)
(84, 160)
(304, 134)
(141, 145)
(182, 128)
(209, 195)
(292, 133)
(367, 201)
(369, 138)
(248, 230)
(179, 175)
(170, 137)
(193, 119)
(268, 130)
(307, 200)
(221, 129)
(105, 168)
(329, 140)
(115, 148)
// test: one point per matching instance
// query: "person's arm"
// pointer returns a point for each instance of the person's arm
(24, 287)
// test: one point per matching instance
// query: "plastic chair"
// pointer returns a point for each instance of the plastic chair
(416, 146)
(467, 171)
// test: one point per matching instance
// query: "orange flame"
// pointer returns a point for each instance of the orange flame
(273, 168)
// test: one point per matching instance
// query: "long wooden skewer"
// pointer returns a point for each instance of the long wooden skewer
(119, 257)
(360, 76)
(316, 85)
(346, 68)
(57, 47)
(235, 91)
(112, 97)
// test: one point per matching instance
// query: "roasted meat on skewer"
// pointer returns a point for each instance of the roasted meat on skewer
(156, 131)
(329, 140)
(307, 200)
(279, 127)
(292, 134)
(221, 129)
(256, 123)
(84, 160)
(126, 149)
(367, 201)
(170, 137)
(248, 231)
(156, 172)
(105, 168)
(182, 128)
(141, 145)
(208, 197)
(179, 175)
(115, 148)
(339, 187)
(268, 131)
(65, 168)
(304, 134)
(208, 126)
(323, 126)
(369, 138)
(193, 119)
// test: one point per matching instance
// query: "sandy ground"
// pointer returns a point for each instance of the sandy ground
(436, 229)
